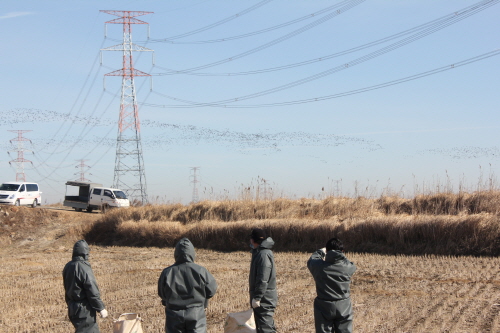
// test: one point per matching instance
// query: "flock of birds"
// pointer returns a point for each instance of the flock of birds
(468, 152)
(157, 135)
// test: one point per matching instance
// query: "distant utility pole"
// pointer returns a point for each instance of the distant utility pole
(20, 160)
(195, 181)
(83, 167)
(130, 175)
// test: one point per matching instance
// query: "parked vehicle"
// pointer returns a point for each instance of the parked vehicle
(20, 193)
(93, 196)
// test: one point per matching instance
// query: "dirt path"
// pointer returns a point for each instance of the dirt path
(41, 227)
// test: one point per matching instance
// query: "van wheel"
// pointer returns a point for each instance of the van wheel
(17, 203)
(89, 210)
(34, 204)
(78, 209)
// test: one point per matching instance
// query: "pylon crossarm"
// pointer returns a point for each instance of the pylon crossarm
(134, 48)
(128, 72)
(125, 13)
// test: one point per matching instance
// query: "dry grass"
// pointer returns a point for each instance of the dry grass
(444, 203)
(23, 225)
(390, 293)
(443, 223)
(448, 235)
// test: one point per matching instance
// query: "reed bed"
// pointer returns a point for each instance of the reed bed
(342, 207)
(446, 235)
(444, 223)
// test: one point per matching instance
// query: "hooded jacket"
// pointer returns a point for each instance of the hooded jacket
(80, 284)
(332, 275)
(185, 284)
(262, 278)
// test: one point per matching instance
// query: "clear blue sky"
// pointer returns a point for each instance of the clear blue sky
(408, 137)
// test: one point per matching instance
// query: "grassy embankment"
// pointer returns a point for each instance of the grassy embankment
(441, 223)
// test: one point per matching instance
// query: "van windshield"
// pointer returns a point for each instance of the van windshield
(9, 187)
(120, 195)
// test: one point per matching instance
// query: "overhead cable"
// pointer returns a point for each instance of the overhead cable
(459, 15)
(213, 25)
(170, 71)
(350, 4)
(258, 32)
(350, 92)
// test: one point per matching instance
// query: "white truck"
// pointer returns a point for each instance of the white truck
(93, 196)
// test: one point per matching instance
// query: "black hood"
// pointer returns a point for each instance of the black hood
(184, 251)
(81, 249)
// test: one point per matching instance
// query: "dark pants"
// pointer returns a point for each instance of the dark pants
(264, 319)
(333, 316)
(191, 320)
(83, 317)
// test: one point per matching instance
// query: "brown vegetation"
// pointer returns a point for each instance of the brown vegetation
(27, 225)
(443, 223)
(389, 293)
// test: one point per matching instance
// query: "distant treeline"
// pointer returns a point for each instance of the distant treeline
(442, 223)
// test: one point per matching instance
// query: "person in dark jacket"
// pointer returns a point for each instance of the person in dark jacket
(81, 291)
(332, 273)
(184, 289)
(262, 281)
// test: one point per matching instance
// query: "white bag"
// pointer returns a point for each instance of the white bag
(127, 323)
(240, 322)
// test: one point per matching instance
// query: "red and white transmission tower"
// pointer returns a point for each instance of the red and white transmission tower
(83, 167)
(20, 160)
(129, 163)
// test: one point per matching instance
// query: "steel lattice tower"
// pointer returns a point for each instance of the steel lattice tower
(83, 167)
(195, 181)
(129, 175)
(20, 160)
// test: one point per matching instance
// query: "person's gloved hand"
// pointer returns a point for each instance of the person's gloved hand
(104, 313)
(255, 303)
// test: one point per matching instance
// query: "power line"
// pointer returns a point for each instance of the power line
(294, 33)
(170, 71)
(261, 31)
(460, 15)
(350, 92)
(213, 25)
(208, 27)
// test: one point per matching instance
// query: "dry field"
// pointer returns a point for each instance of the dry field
(390, 293)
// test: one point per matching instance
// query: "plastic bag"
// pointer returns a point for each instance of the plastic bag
(128, 323)
(240, 322)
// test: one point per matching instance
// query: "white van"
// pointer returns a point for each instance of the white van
(20, 193)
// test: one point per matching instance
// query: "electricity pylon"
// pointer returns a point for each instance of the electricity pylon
(20, 160)
(130, 175)
(83, 168)
(195, 181)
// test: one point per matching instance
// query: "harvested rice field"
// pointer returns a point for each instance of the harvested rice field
(390, 293)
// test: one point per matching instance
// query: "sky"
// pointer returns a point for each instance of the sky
(293, 98)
